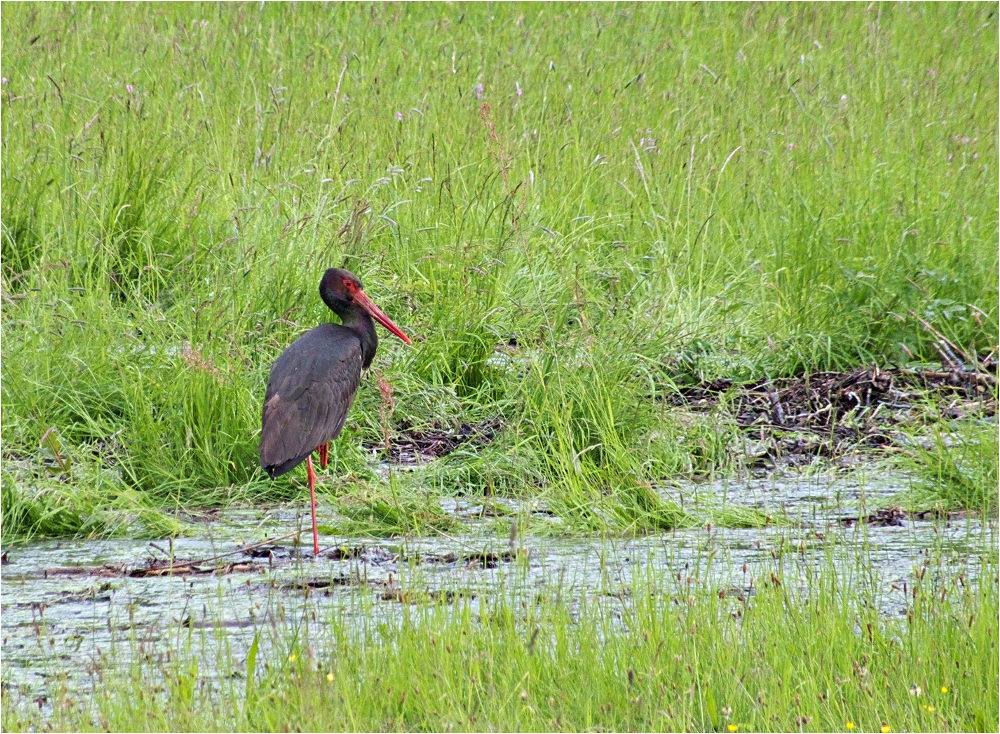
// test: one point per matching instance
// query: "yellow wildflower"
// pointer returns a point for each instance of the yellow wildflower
(885, 729)
(849, 724)
(944, 689)
(732, 727)
(291, 658)
(930, 708)
(330, 677)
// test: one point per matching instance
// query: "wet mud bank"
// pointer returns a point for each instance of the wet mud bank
(793, 422)
(844, 416)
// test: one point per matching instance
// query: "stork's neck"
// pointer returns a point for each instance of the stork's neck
(358, 321)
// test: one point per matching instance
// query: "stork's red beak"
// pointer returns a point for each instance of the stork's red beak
(362, 299)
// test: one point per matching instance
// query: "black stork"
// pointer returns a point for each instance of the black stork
(313, 382)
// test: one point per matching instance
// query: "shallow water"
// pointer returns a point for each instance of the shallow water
(62, 619)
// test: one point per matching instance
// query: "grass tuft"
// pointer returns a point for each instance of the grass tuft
(957, 471)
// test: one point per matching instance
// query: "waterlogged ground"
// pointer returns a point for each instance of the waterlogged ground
(72, 608)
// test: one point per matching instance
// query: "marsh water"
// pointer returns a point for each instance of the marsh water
(72, 608)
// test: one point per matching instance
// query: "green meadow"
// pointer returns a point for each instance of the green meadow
(677, 193)
(578, 212)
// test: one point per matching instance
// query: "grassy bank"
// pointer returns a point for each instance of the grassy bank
(660, 654)
(625, 198)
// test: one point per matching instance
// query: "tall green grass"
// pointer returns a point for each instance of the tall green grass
(659, 654)
(640, 195)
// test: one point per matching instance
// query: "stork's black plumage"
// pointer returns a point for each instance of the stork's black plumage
(313, 382)
(312, 386)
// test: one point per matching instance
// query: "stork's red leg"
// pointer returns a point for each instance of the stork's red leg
(312, 496)
(324, 455)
